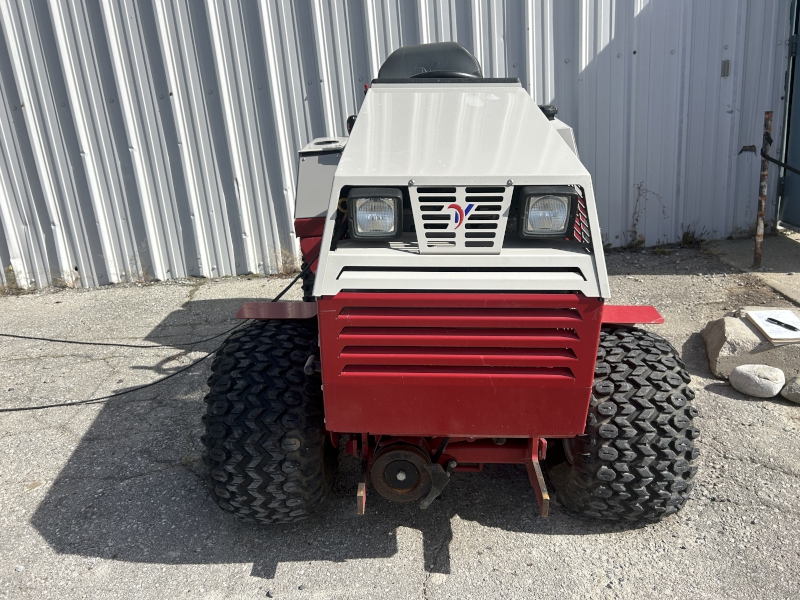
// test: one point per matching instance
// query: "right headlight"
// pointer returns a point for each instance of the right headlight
(545, 214)
(375, 213)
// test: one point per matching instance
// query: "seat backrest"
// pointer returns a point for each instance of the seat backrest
(424, 58)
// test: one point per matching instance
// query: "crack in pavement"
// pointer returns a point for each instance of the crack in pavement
(429, 568)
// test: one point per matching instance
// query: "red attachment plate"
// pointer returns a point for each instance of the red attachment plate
(264, 311)
(631, 315)
(462, 365)
(312, 227)
(310, 233)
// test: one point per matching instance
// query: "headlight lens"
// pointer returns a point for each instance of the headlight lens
(546, 215)
(375, 213)
(375, 216)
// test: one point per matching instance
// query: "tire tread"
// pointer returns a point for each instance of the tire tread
(267, 455)
(635, 460)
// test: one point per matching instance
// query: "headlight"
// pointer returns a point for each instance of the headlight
(545, 215)
(375, 213)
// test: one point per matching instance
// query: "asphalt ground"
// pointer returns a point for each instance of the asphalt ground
(106, 500)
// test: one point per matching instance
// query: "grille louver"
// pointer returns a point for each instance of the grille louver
(580, 232)
(460, 219)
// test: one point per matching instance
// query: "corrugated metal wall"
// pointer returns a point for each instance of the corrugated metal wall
(157, 138)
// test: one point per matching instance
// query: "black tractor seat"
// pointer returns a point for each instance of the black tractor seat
(442, 60)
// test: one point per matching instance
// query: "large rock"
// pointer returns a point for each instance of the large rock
(735, 341)
(791, 390)
(761, 381)
(725, 338)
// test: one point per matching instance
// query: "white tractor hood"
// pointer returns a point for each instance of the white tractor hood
(458, 135)
(469, 133)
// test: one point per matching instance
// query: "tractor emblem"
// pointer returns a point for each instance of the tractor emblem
(460, 214)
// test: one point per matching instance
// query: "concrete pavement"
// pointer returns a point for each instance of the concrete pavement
(780, 260)
(106, 501)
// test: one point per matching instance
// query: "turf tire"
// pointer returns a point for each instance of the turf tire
(635, 460)
(267, 455)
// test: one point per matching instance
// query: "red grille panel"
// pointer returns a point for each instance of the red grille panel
(494, 365)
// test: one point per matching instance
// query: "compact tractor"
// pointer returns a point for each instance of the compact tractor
(454, 315)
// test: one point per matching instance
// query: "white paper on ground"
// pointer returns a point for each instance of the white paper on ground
(776, 333)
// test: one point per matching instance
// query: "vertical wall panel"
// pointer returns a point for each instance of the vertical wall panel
(94, 136)
(258, 227)
(183, 36)
(38, 107)
(763, 54)
(20, 246)
(158, 138)
(142, 92)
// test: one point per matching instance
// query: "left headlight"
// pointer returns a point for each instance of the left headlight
(375, 213)
(545, 215)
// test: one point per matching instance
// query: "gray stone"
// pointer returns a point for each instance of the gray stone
(760, 381)
(733, 341)
(792, 390)
(728, 337)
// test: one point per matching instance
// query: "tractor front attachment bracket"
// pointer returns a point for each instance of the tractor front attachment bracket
(537, 450)
(460, 454)
(439, 479)
(361, 494)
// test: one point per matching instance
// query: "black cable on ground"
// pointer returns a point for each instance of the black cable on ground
(152, 383)
(146, 346)
(113, 344)
(110, 396)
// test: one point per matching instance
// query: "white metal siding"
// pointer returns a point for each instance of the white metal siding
(157, 138)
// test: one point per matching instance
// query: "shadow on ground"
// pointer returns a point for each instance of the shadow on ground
(198, 326)
(198, 320)
(133, 489)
